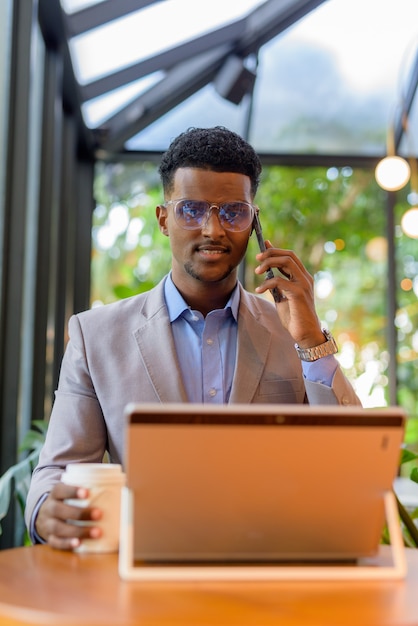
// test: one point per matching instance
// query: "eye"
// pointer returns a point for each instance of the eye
(232, 212)
(192, 210)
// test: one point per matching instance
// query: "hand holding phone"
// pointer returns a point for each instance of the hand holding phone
(270, 274)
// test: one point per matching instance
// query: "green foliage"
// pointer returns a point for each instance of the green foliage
(335, 219)
(409, 528)
(14, 483)
(130, 255)
(407, 456)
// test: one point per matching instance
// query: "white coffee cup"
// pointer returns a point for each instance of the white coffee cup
(104, 482)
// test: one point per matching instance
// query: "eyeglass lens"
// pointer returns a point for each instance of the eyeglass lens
(234, 216)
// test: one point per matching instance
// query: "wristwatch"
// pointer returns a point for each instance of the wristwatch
(317, 352)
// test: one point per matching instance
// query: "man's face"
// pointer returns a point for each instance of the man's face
(210, 254)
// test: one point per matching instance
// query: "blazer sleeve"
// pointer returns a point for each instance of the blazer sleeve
(76, 429)
(341, 391)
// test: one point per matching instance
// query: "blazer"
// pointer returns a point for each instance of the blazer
(124, 352)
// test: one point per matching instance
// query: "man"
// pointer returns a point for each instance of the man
(195, 337)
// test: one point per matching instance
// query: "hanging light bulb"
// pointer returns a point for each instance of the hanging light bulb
(392, 173)
(409, 222)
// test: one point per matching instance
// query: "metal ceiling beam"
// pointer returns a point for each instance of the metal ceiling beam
(269, 20)
(102, 13)
(267, 158)
(411, 90)
(53, 26)
(163, 61)
(247, 35)
(254, 30)
(181, 82)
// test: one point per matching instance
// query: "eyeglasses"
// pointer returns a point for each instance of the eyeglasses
(194, 214)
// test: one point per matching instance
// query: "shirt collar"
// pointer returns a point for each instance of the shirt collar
(176, 304)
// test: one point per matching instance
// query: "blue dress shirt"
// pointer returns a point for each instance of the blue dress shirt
(206, 348)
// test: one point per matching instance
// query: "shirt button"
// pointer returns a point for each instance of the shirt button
(209, 342)
(212, 392)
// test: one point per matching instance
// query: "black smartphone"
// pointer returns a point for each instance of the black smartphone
(259, 233)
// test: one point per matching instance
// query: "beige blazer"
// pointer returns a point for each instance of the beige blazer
(124, 352)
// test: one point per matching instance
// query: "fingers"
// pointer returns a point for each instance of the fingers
(286, 277)
(285, 261)
(63, 522)
(296, 309)
(68, 537)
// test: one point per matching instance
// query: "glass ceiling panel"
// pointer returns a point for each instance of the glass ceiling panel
(97, 110)
(71, 6)
(149, 31)
(205, 108)
(330, 84)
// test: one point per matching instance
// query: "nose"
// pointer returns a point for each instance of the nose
(212, 223)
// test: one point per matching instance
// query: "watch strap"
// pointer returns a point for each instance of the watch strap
(317, 352)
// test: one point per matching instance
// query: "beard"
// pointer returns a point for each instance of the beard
(198, 276)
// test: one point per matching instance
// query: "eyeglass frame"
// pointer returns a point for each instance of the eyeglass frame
(208, 212)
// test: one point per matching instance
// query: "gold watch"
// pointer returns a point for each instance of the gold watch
(317, 352)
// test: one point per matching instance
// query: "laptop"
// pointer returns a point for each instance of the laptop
(243, 490)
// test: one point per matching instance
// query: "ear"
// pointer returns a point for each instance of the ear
(161, 213)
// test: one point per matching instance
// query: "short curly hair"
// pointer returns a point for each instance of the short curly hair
(217, 149)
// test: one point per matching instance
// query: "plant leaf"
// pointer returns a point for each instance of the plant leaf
(414, 474)
(35, 437)
(18, 476)
(407, 455)
(5, 492)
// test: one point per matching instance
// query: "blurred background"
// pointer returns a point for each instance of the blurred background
(93, 93)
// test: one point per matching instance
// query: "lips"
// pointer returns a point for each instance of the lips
(212, 249)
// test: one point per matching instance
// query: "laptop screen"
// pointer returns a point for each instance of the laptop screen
(259, 483)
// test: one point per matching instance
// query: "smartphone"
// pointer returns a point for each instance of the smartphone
(259, 233)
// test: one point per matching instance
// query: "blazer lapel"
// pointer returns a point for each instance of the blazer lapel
(252, 349)
(156, 345)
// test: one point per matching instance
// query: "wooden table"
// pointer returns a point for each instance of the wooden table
(39, 585)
